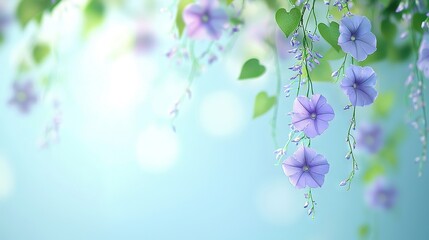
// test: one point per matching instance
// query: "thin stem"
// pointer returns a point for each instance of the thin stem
(421, 88)
(186, 93)
(278, 93)
(351, 146)
(312, 210)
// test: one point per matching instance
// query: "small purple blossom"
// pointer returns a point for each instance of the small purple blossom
(4, 20)
(358, 84)
(205, 20)
(423, 62)
(306, 168)
(145, 41)
(356, 37)
(24, 96)
(381, 194)
(311, 115)
(370, 137)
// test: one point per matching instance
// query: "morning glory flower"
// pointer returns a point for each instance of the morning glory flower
(24, 96)
(370, 137)
(358, 84)
(306, 168)
(381, 194)
(356, 37)
(205, 20)
(311, 115)
(423, 62)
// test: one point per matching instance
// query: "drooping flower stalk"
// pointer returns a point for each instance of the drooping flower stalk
(418, 99)
(358, 83)
(311, 112)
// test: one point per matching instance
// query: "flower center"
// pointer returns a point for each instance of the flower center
(305, 168)
(313, 116)
(205, 18)
(353, 38)
(354, 85)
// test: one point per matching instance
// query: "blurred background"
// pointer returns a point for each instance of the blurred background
(96, 153)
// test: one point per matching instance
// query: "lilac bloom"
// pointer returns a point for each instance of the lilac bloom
(370, 137)
(381, 194)
(358, 85)
(145, 41)
(356, 37)
(24, 96)
(311, 115)
(204, 20)
(423, 62)
(306, 168)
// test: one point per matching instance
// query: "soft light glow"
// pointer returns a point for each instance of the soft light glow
(277, 202)
(6, 179)
(222, 114)
(157, 149)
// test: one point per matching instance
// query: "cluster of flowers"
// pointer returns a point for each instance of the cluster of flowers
(204, 20)
(414, 82)
(311, 114)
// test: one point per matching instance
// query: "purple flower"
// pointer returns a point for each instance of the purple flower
(370, 137)
(381, 194)
(358, 85)
(4, 21)
(356, 37)
(145, 40)
(306, 168)
(423, 62)
(311, 115)
(24, 96)
(204, 20)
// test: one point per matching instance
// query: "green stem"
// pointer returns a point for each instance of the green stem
(278, 93)
(351, 145)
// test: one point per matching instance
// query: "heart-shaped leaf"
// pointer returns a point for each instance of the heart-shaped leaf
(28, 10)
(94, 15)
(252, 68)
(330, 34)
(288, 21)
(40, 52)
(180, 23)
(263, 103)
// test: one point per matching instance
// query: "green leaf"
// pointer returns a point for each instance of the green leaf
(372, 172)
(180, 23)
(388, 29)
(288, 21)
(383, 104)
(40, 52)
(94, 14)
(235, 21)
(330, 34)
(263, 103)
(363, 231)
(252, 68)
(416, 21)
(322, 72)
(228, 2)
(28, 10)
